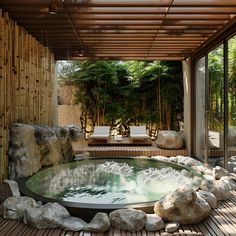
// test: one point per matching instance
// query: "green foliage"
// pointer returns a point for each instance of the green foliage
(132, 92)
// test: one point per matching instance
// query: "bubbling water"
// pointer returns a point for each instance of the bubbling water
(113, 182)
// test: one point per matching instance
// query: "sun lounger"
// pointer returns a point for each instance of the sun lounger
(138, 135)
(100, 135)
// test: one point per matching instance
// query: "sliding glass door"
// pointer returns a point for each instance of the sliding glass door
(231, 138)
(215, 105)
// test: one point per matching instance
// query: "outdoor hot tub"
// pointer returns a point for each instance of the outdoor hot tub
(87, 186)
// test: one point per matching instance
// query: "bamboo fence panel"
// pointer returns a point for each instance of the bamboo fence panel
(27, 74)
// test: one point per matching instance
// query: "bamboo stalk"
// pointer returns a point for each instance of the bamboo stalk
(26, 79)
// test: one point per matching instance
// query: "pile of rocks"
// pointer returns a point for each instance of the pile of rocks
(32, 147)
(183, 206)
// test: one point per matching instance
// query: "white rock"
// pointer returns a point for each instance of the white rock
(72, 224)
(219, 188)
(184, 206)
(14, 207)
(154, 223)
(128, 219)
(188, 161)
(161, 158)
(209, 197)
(219, 172)
(169, 139)
(171, 227)
(50, 215)
(230, 181)
(99, 223)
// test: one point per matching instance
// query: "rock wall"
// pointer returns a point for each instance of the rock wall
(33, 146)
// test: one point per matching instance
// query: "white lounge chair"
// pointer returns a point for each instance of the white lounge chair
(138, 135)
(101, 135)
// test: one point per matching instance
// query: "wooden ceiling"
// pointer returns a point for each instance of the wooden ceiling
(122, 29)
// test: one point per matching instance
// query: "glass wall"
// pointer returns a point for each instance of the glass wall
(215, 106)
(232, 103)
(216, 101)
(200, 107)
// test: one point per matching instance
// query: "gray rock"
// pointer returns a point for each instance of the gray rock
(219, 172)
(154, 223)
(75, 133)
(209, 197)
(222, 190)
(171, 227)
(15, 207)
(128, 219)
(219, 188)
(15, 192)
(50, 215)
(161, 158)
(187, 161)
(72, 224)
(169, 139)
(24, 153)
(230, 181)
(186, 173)
(99, 223)
(184, 206)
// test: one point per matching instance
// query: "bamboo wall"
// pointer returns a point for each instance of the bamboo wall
(27, 72)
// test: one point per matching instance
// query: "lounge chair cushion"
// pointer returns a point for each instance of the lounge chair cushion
(102, 130)
(138, 134)
(101, 134)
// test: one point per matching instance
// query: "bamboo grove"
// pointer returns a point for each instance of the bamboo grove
(121, 94)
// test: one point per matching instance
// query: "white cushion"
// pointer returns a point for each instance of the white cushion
(137, 130)
(102, 130)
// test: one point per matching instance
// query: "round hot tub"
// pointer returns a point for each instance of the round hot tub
(87, 186)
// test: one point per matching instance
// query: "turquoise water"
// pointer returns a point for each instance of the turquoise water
(106, 181)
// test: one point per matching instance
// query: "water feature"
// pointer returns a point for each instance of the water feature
(109, 183)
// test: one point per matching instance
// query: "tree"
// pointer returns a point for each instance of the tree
(133, 92)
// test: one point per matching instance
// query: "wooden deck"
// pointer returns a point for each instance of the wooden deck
(221, 222)
(121, 149)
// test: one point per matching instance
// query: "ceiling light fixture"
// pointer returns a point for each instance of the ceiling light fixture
(80, 53)
(53, 9)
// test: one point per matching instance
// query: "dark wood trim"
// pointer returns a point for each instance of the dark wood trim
(227, 31)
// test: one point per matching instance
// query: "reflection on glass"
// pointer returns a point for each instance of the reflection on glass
(216, 99)
(232, 103)
(200, 107)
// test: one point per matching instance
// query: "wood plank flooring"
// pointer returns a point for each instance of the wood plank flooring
(221, 222)
(122, 150)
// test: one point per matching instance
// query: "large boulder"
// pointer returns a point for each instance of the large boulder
(183, 206)
(33, 146)
(220, 188)
(169, 139)
(24, 152)
(50, 215)
(14, 207)
(128, 219)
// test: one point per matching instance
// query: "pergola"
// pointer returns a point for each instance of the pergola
(33, 33)
(122, 29)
